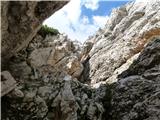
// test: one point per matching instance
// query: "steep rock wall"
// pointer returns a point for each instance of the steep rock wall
(136, 94)
(127, 30)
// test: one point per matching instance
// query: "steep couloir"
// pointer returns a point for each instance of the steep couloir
(114, 75)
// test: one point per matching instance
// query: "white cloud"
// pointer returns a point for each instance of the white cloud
(146, 1)
(91, 4)
(73, 10)
(142, 0)
(85, 20)
(100, 20)
(70, 21)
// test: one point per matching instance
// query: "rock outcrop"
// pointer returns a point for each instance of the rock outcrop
(136, 95)
(54, 95)
(21, 21)
(57, 51)
(7, 82)
(47, 72)
(127, 30)
(114, 75)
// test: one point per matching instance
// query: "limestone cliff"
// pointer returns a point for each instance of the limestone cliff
(127, 30)
(114, 75)
(138, 88)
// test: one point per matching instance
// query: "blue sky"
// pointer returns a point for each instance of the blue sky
(82, 18)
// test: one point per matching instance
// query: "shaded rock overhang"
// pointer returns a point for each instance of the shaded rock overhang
(20, 21)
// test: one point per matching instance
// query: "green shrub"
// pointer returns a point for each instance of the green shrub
(45, 30)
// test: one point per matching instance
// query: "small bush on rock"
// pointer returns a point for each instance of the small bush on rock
(45, 30)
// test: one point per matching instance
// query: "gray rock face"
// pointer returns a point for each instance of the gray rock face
(57, 51)
(127, 31)
(7, 82)
(54, 95)
(138, 88)
(21, 21)
(120, 64)
(48, 87)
